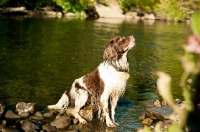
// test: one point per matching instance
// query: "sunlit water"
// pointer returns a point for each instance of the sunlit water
(40, 58)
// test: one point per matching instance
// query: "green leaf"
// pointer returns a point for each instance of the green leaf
(195, 23)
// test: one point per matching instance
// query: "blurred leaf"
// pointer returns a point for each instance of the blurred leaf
(195, 23)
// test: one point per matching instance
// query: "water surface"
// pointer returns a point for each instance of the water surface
(41, 57)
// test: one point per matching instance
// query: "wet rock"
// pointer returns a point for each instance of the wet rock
(37, 118)
(62, 122)
(48, 115)
(75, 121)
(142, 116)
(163, 103)
(149, 16)
(161, 113)
(87, 113)
(28, 126)
(24, 114)
(165, 125)
(49, 128)
(11, 115)
(2, 109)
(25, 107)
(177, 101)
(147, 121)
(157, 103)
(9, 129)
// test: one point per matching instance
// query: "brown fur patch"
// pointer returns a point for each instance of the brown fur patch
(94, 83)
(115, 48)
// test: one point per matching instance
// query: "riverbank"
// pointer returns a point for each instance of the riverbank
(112, 10)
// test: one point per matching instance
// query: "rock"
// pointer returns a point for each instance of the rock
(87, 113)
(142, 116)
(163, 103)
(62, 122)
(25, 107)
(15, 10)
(149, 16)
(28, 126)
(111, 11)
(49, 128)
(147, 121)
(177, 101)
(131, 14)
(24, 114)
(9, 129)
(2, 109)
(160, 112)
(75, 121)
(70, 14)
(37, 118)
(165, 125)
(157, 103)
(39, 114)
(48, 115)
(11, 115)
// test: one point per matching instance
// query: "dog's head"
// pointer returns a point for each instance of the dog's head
(118, 46)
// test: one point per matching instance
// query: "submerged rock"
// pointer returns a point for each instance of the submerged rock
(160, 112)
(62, 122)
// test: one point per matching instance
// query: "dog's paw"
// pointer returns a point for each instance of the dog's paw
(111, 125)
(82, 121)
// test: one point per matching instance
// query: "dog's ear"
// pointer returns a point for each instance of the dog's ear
(110, 52)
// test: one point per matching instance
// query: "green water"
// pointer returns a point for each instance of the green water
(41, 57)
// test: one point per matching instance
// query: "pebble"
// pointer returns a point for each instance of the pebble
(62, 122)
(147, 121)
(11, 115)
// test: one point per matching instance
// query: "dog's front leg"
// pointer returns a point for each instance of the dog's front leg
(113, 104)
(104, 101)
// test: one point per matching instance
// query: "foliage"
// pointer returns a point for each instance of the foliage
(177, 9)
(190, 84)
(74, 5)
(146, 5)
(27, 3)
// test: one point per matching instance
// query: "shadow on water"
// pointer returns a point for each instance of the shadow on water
(40, 58)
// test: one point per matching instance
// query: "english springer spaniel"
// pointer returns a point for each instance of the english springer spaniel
(104, 85)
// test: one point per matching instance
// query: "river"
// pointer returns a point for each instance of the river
(41, 57)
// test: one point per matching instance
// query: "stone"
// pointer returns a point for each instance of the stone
(37, 118)
(38, 113)
(25, 107)
(113, 10)
(149, 16)
(48, 115)
(62, 122)
(11, 115)
(75, 121)
(163, 103)
(87, 113)
(9, 129)
(157, 103)
(28, 126)
(161, 113)
(24, 114)
(2, 109)
(165, 125)
(49, 128)
(70, 14)
(131, 14)
(147, 121)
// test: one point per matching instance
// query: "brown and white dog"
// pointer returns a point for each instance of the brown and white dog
(104, 85)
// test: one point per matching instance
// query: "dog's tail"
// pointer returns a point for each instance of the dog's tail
(62, 103)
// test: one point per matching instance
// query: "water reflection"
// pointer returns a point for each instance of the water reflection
(40, 58)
